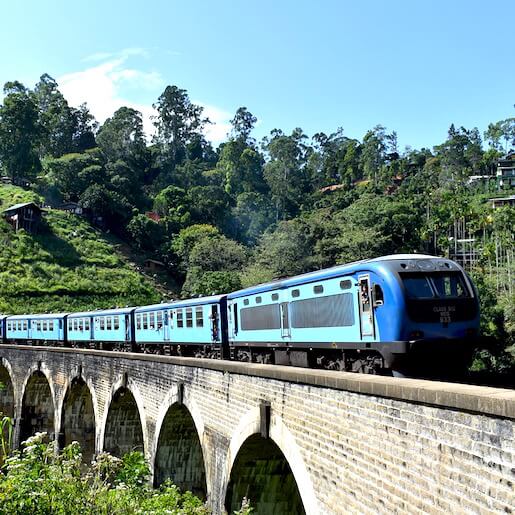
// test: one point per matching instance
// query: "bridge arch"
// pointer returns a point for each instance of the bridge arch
(278, 454)
(178, 452)
(8, 393)
(124, 427)
(77, 420)
(38, 404)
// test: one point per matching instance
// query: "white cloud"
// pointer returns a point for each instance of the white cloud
(220, 125)
(101, 87)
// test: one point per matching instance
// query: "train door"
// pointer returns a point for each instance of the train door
(213, 319)
(29, 329)
(91, 328)
(285, 320)
(127, 327)
(233, 319)
(366, 313)
(166, 325)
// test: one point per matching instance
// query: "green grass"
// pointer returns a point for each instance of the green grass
(67, 266)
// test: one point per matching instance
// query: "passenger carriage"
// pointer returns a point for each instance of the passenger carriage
(104, 327)
(48, 328)
(192, 327)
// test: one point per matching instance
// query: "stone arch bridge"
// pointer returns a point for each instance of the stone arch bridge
(292, 440)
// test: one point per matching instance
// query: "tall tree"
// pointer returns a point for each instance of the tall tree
(242, 125)
(286, 173)
(177, 122)
(84, 128)
(55, 118)
(20, 133)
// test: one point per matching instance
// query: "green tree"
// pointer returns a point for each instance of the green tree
(145, 233)
(177, 123)
(20, 133)
(286, 172)
(55, 118)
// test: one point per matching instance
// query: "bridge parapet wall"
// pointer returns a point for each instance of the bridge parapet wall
(355, 444)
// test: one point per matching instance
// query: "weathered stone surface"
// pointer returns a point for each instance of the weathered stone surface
(363, 445)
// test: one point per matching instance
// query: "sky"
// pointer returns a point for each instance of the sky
(413, 66)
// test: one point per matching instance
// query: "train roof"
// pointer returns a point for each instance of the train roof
(102, 312)
(327, 273)
(42, 316)
(212, 299)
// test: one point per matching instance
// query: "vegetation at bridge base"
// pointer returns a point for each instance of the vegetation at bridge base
(40, 481)
(247, 211)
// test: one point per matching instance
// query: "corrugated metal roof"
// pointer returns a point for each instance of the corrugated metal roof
(19, 206)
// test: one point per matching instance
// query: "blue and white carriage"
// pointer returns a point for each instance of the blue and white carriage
(44, 328)
(102, 326)
(195, 323)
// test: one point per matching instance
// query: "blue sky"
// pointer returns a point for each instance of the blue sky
(413, 66)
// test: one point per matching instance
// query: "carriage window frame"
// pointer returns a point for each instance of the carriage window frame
(345, 284)
(258, 300)
(189, 317)
(295, 293)
(318, 289)
(116, 322)
(159, 320)
(180, 318)
(275, 296)
(199, 316)
(138, 321)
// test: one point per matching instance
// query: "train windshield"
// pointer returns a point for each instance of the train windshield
(444, 285)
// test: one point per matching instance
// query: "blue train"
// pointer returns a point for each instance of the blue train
(395, 312)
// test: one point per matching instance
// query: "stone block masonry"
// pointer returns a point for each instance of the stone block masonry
(292, 440)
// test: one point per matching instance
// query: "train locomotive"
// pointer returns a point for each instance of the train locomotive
(392, 313)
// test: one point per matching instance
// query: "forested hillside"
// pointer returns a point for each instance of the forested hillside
(67, 266)
(250, 211)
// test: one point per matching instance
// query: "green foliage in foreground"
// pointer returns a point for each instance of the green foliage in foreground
(40, 481)
(68, 266)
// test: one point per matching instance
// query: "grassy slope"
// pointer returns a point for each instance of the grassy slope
(69, 266)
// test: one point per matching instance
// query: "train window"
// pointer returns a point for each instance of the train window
(449, 285)
(318, 288)
(25, 325)
(330, 311)
(180, 322)
(189, 317)
(275, 296)
(86, 324)
(138, 321)
(45, 325)
(109, 323)
(102, 323)
(261, 317)
(346, 284)
(81, 324)
(51, 325)
(151, 321)
(417, 286)
(117, 322)
(199, 316)
(295, 293)
(144, 316)
(258, 300)
(246, 302)
(159, 319)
